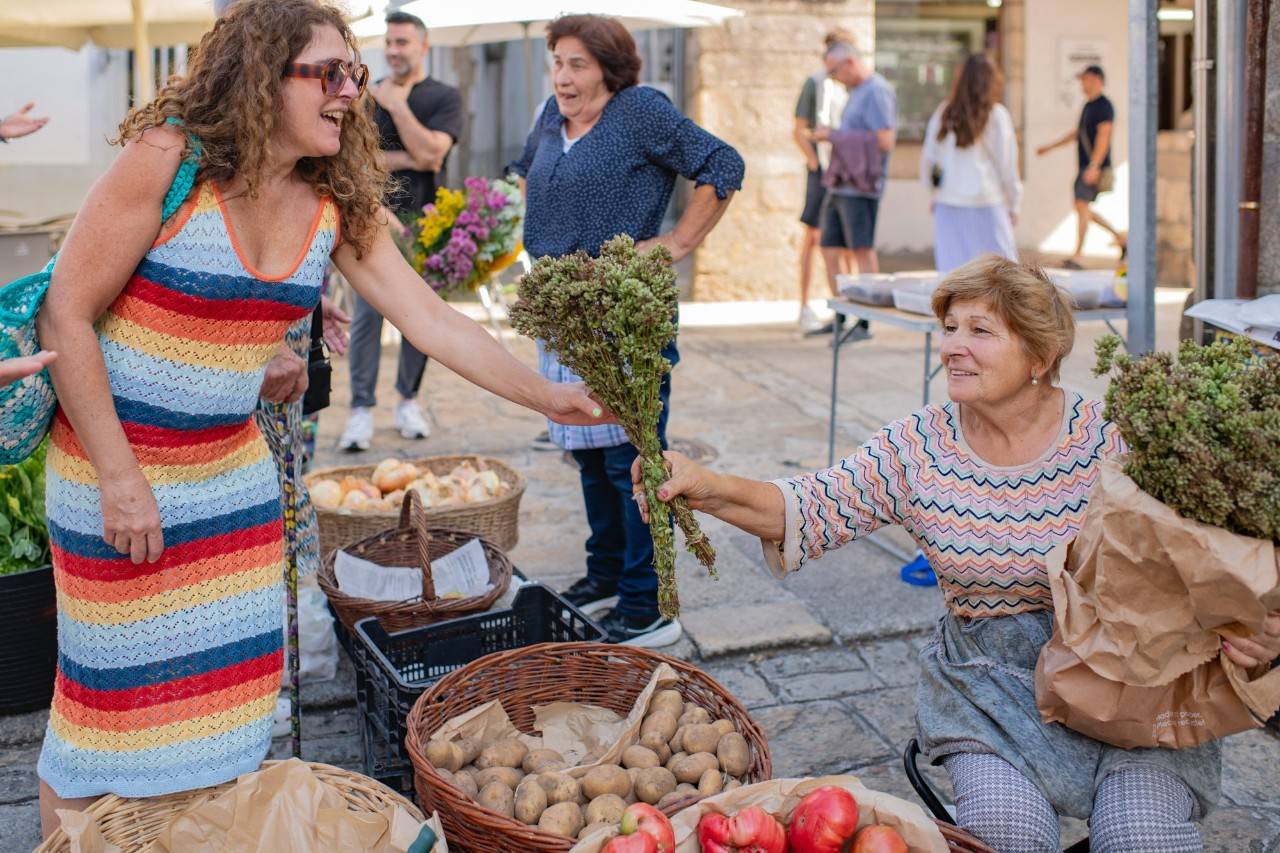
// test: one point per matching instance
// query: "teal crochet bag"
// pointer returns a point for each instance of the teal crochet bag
(27, 406)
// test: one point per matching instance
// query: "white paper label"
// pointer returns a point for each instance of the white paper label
(363, 579)
(463, 572)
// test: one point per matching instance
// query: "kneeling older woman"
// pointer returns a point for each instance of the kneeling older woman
(987, 484)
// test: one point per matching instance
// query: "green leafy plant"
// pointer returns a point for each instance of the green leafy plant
(607, 319)
(24, 536)
(1203, 430)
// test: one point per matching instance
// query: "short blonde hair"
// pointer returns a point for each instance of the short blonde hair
(1025, 300)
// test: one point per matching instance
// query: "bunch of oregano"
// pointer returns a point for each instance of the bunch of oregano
(607, 319)
(1203, 431)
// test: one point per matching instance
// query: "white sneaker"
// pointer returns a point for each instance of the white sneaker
(808, 319)
(359, 430)
(410, 421)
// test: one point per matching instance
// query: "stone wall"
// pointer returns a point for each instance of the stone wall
(1174, 267)
(1269, 254)
(743, 81)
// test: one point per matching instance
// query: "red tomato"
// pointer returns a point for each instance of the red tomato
(637, 843)
(752, 830)
(879, 839)
(644, 819)
(823, 821)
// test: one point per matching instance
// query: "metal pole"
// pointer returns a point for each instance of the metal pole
(1254, 111)
(1203, 162)
(1143, 97)
(531, 99)
(143, 73)
(1230, 117)
(837, 332)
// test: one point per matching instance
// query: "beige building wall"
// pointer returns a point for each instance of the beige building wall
(744, 81)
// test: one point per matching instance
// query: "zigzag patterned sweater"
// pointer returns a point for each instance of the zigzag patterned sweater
(985, 529)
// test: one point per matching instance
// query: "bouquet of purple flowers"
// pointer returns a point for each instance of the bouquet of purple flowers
(465, 236)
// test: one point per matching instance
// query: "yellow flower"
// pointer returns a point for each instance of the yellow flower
(449, 203)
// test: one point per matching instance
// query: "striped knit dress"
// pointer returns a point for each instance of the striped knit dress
(168, 672)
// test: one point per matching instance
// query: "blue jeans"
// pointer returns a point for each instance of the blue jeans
(620, 549)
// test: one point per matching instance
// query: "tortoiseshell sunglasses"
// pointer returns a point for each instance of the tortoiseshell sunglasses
(332, 75)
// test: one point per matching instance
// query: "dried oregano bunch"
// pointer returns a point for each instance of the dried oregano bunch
(607, 319)
(1203, 431)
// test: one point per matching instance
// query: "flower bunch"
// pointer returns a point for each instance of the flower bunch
(466, 235)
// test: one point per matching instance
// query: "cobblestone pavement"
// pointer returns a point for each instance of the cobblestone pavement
(825, 661)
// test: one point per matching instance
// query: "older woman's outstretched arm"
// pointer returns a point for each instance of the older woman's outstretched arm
(751, 505)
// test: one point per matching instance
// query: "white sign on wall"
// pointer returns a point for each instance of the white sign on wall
(1075, 55)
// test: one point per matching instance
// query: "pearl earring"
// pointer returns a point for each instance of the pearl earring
(1034, 381)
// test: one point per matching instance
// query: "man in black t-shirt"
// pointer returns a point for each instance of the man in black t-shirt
(1092, 136)
(418, 121)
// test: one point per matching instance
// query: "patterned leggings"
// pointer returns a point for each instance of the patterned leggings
(1138, 810)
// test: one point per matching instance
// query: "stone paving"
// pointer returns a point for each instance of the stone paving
(825, 661)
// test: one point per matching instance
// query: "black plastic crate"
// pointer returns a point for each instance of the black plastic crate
(393, 670)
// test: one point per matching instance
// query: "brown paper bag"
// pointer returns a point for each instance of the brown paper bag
(286, 809)
(84, 833)
(779, 797)
(1141, 601)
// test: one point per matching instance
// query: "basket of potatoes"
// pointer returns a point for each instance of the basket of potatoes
(687, 739)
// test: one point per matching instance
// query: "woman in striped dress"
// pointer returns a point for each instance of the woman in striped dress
(987, 485)
(162, 497)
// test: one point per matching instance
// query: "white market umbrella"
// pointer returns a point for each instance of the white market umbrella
(487, 21)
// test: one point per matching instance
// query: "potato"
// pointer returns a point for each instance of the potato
(700, 737)
(509, 752)
(691, 767)
(693, 715)
(667, 700)
(444, 755)
(590, 828)
(654, 783)
(560, 787)
(676, 744)
(497, 797)
(734, 754)
(562, 819)
(470, 747)
(710, 782)
(664, 753)
(542, 760)
(466, 783)
(684, 789)
(675, 756)
(638, 756)
(653, 740)
(531, 802)
(732, 784)
(667, 800)
(724, 726)
(606, 779)
(606, 808)
(508, 776)
(661, 722)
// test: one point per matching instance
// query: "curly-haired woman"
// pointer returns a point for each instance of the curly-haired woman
(162, 497)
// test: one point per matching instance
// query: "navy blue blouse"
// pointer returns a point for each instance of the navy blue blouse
(618, 177)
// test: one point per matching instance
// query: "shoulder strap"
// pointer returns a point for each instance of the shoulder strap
(184, 178)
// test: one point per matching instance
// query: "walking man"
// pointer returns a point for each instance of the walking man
(853, 199)
(418, 120)
(1092, 137)
(821, 103)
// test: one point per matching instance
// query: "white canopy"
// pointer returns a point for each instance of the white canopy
(506, 20)
(108, 23)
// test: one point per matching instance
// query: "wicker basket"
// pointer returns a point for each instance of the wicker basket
(132, 824)
(496, 520)
(597, 673)
(412, 543)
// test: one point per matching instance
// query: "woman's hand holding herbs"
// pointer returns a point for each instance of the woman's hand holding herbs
(572, 404)
(1259, 649)
(685, 479)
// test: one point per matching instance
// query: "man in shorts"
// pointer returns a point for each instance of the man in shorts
(1092, 136)
(821, 103)
(848, 226)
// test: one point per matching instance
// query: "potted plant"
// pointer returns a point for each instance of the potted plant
(28, 605)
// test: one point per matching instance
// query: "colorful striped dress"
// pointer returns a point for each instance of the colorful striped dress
(168, 672)
(985, 529)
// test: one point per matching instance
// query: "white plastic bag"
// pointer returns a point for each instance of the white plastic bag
(317, 643)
